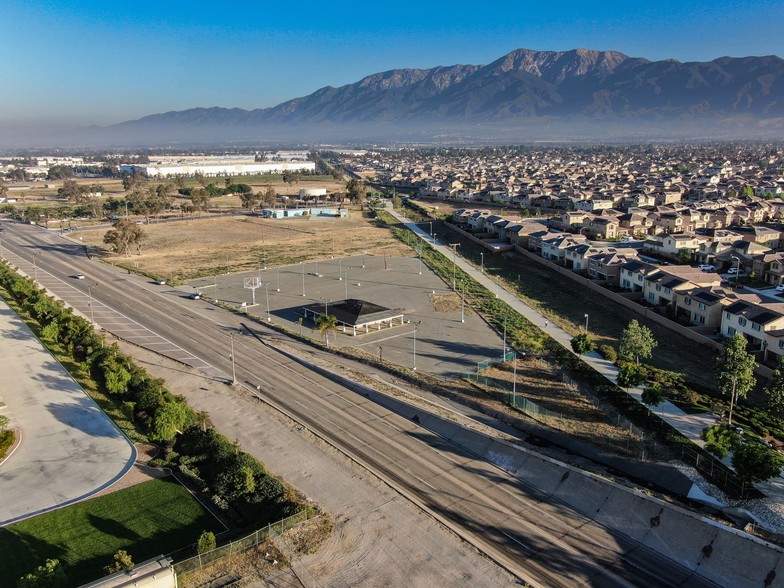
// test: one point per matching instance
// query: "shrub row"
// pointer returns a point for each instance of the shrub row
(237, 482)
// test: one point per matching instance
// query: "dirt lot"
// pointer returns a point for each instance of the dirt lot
(189, 249)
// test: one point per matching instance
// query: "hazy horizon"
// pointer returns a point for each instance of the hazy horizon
(82, 63)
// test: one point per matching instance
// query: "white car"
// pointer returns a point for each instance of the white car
(780, 288)
(707, 267)
(79, 276)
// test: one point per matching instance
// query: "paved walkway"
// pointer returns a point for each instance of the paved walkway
(70, 449)
(690, 425)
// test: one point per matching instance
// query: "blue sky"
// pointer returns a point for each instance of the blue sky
(89, 62)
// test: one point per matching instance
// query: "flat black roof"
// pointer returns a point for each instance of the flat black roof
(354, 312)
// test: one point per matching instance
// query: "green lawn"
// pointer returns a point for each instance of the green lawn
(146, 520)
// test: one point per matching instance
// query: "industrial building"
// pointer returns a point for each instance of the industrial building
(214, 166)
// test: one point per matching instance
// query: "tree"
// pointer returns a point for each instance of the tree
(124, 234)
(290, 177)
(653, 395)
(268, 197)
(774, 391)
(338, 174)
(250, 200)
(122, 561)
(325, 324)
(630, 375)
(637, 342)
(206, 542)
(735, 370)
(49, 575)
(355, 189)
(4, 422)
(753, 462)
(582, 343)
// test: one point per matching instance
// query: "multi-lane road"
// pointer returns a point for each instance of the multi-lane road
(540, 542)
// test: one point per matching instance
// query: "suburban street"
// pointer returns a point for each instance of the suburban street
(539, 542)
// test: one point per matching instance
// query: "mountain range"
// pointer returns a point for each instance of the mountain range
(524, 89)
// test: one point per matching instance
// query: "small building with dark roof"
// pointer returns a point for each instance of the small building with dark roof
(354, 316)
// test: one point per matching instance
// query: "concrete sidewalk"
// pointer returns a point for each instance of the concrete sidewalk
(690, 425)
(70, 449)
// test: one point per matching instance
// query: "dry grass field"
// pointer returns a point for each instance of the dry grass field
(189, 249)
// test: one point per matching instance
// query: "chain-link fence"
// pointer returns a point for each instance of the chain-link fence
(258, 536)
(637, 444)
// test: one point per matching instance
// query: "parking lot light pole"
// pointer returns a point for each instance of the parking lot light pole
(303, 278)
(340, 269)
(233, 368)
(415, 332)
(277, 271)
(462, 305)
(420, 255)
(266, 293)
(454, 247)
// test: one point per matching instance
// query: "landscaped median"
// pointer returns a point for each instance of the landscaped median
(233, 483)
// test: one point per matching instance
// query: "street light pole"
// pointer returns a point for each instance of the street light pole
(345, 282)
(277, 271)
(340, 269)
(303, 278)
(586, 322)
(514, 382)
(737, 268)
(482, 260)
(90, 304)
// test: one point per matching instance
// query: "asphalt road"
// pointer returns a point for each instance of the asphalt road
(543, 543)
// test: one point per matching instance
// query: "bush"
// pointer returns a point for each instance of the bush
(206, 542)
(720, 439)
(49, 575)
(582, 343)
(609, 353)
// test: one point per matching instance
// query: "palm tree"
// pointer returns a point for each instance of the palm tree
(326, 323)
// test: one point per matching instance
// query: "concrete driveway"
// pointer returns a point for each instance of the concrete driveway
(69, 448)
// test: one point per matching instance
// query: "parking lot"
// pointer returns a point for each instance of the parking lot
(434, 341)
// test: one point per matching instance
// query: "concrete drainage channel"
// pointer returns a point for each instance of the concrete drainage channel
(708, 549)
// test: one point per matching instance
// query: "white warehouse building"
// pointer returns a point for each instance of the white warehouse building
(212, 166)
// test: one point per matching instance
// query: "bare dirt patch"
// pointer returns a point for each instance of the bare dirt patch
(569, 409)
(189, 249)
(448, 302)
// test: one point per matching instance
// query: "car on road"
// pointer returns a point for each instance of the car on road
(707, 267)
(79, 276)
(160, 282)
(734, 270)
(195, 296)
(780, 288)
